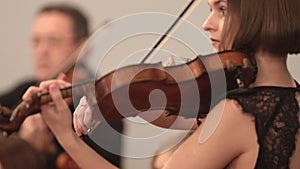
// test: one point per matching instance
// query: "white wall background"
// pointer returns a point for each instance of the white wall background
(16, 19)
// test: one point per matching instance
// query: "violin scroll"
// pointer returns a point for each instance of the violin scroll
(11, 121)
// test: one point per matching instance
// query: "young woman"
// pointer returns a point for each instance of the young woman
(258, 125)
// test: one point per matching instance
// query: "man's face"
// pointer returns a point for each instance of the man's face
(52, 43)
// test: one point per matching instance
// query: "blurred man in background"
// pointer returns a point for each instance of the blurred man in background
(57, 33)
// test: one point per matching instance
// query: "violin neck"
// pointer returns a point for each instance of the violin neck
(77, 90)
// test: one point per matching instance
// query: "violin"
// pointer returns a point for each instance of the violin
(184, 90)
(110, 98)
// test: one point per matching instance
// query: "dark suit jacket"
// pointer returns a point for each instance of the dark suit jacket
(11, 98)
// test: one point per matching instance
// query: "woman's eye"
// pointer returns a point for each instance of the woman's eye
(223, 10)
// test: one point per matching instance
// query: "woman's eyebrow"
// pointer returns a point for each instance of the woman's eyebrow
(217, 2)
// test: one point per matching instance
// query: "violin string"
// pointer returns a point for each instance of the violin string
(164, 39)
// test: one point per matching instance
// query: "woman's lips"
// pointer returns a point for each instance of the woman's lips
(214, 42)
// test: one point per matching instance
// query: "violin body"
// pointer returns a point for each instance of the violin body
(184, 90)
(177, 83)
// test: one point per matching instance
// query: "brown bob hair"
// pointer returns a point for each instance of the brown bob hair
(269, 25)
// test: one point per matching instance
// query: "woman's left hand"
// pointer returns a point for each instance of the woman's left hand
(56, 114)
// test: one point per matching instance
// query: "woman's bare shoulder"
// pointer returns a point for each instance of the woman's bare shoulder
(218, 137)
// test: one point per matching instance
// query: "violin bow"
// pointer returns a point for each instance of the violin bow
(164, 39)
(160, 43)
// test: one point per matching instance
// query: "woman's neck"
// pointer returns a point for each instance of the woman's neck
(272, 71)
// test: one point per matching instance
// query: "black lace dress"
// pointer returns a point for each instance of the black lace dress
(276, 113)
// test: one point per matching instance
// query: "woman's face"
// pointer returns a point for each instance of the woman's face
(215, 21)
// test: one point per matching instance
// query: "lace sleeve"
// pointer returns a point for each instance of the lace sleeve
(276, 113)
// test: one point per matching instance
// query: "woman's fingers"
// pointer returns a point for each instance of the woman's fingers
(57, 114)
(44, 87)
(29, 92)
(61, 76)
(77, 127)
(46, 84)
(84, 121)
(56, 96)
(79, 114)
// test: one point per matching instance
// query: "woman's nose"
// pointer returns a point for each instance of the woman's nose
(209, 25)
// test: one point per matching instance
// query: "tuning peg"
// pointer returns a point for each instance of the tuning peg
(246, 63)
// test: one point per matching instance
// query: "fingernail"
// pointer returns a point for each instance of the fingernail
(83, 100)
(61, 76)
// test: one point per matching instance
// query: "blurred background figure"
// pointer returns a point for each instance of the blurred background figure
(15, 153)
(57, 33)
